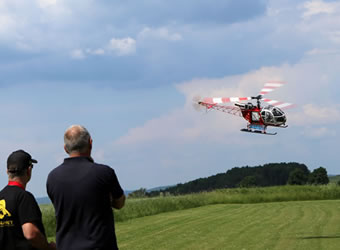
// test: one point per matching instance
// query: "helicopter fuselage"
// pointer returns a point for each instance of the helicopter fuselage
(266, 116)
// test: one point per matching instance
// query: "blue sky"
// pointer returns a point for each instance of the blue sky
(128, 71)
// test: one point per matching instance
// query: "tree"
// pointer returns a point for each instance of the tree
(297, 177)
(140, 193)
(271, 174)
(319, 176)
(248, 181)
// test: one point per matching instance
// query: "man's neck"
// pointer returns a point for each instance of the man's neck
(79, 155)
(22, 182)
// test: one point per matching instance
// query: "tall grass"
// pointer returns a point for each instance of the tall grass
(49, 220)
(135, 208)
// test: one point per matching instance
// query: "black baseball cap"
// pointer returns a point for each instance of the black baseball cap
(19, 160)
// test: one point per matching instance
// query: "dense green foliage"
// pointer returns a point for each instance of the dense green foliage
(319, 176)
(273, 174)
(297, 177)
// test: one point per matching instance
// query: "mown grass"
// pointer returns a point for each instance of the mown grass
(296, 225)
(136, 208)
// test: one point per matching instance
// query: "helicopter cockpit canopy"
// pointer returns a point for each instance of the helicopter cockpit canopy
(273, 115)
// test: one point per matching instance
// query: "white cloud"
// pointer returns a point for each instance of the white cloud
(122, 47)
(321, 114)
(46, 3)
(160, 33)
(6, 23)
(317, 7)
(308, 85)
(78, 54)
(186, 126)
(335, 36)
(119, 47)
(99, 51)
(317, 51)
(318, 132)
(34, 25)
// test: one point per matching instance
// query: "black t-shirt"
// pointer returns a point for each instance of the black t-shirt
(17, 207)
(80, 192)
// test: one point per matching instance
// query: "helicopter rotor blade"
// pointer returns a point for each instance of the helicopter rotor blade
(281, 105)
(220, 100)
(270, 87)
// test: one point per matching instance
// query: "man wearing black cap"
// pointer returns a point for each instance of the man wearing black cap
(21, 226)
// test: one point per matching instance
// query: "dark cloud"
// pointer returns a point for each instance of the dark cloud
(156, 12)
(204, 51)
(155, 64)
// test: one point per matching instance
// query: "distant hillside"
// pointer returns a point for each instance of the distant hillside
(159, 188)
(334, 178)
(43, 200)
(272, 174)
(46, 200)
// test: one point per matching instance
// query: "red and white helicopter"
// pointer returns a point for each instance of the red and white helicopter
(259, 118)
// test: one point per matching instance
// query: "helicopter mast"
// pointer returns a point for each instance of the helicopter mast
(258, 98)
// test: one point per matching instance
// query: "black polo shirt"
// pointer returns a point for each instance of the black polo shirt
(80, 192)
(17, 207)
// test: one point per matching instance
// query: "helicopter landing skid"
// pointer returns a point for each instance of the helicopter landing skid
(257, 132)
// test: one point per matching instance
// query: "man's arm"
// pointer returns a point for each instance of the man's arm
(36, 238)
(118, 203)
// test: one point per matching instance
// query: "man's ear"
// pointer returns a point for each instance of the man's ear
(66, 149)
(91, 143)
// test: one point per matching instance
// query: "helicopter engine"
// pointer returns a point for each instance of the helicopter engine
(248, 105)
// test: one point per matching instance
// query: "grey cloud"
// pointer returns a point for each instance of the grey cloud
(151, 12)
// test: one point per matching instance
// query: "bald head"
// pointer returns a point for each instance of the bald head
(77, 140)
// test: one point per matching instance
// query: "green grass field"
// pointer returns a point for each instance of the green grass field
(285, 217)
(281, 225)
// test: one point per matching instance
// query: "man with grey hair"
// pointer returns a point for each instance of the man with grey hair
(83, 194)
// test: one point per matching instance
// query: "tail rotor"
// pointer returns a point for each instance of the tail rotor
(196, 103)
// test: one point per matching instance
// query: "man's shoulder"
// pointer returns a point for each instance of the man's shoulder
(17, 194)
(103, 168)
(80, 164)
(56, 170)
(25, 194)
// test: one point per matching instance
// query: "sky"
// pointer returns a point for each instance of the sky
(128, 71)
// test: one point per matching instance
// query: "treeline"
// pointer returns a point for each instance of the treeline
(273, 174)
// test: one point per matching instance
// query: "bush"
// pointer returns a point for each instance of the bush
(319, 176)
(297, 177)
